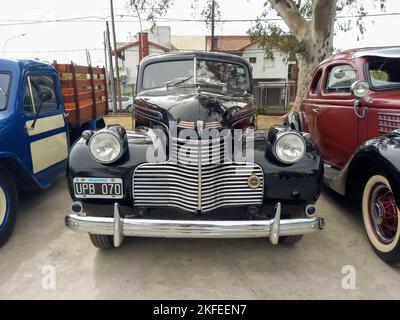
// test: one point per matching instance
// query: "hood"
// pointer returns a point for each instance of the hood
(193, 105)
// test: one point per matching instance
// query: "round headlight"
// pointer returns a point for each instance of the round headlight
(290, 147)
(105, 147)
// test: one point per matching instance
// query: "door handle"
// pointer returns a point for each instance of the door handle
(316, 110)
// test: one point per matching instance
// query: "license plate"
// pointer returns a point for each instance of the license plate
(98, 188)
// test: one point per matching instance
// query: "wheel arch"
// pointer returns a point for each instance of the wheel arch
(19, 174)
(367, 163)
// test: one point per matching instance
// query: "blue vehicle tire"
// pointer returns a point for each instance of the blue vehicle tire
(8, 205)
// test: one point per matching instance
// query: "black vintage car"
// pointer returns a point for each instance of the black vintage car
(194, 166)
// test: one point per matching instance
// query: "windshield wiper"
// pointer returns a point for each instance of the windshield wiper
(221, 85)
(176, 82)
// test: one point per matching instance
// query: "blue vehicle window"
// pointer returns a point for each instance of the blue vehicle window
(28, 104)
(4, 86)
(32, 97)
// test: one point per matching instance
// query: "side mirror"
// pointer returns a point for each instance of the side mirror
(359, 89)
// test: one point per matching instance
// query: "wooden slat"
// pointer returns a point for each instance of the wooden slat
(82, 96)
(84, 92)
(98, 70)
(64, 68)
(77, 117)
(81, 83)
(100, 93)
(93, 88)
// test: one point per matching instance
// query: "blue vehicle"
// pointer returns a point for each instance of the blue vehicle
(35, 133)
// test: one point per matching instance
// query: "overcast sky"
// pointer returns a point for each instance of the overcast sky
(67, 39)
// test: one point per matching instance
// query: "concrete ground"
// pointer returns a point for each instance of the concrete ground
(44, 260)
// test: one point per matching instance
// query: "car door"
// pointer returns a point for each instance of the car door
(336, 123)
(45, 125)
(308, 116)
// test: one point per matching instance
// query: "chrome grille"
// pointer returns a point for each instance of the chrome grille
(388, 122)
(193, 152)
(196, 187)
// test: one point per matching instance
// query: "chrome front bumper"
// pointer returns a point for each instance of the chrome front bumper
(120, 227)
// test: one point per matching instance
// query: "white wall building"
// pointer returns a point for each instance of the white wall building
(129, 56)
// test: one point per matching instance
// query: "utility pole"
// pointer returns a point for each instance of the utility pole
(213, 25)
(105, 52)
(114, 99)
(118, 91)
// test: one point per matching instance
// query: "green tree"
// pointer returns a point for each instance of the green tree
(311, 25)
(149, 10)
(207, 11)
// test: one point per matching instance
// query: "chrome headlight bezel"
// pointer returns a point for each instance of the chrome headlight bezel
(284, 135)
(118, 142)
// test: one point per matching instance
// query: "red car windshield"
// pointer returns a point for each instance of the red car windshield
(384, 73)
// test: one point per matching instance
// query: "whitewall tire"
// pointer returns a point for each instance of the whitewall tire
(8, 205)
(381, 217)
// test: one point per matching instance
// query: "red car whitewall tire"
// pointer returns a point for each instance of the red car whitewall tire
(381, 218)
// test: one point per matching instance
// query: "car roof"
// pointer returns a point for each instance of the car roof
(18, 65)
(194, 54)
(350, 54)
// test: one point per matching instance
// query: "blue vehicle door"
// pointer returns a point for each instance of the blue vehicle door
(45, 125)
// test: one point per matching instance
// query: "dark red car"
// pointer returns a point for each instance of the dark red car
(352, 112)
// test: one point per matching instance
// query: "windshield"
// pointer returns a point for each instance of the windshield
(4, 85)
(384, 73)
(213, 73)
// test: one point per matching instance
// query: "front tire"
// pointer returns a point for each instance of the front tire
(381, 217)
(292, 240)
(102, 241)
(8, 205)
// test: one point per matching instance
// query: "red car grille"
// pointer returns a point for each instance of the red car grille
(388, 122)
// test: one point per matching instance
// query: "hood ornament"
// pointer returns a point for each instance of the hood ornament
(200, 127)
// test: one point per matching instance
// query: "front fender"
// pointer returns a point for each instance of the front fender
(298, 182)
(385, 152)
(380, 154)
(23, 176)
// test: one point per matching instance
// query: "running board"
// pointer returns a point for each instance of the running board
(335, 179)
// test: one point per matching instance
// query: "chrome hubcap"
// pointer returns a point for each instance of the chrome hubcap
(377, 213)
(383, 213)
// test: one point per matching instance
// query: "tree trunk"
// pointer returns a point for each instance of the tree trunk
(315, 35)
(318, 49)
(306, 71)
(318, 46)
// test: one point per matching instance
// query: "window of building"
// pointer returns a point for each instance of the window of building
(253, 59)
